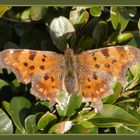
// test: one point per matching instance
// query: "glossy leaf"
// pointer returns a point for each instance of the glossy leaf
(60, 128)
(118, 21)
(128, 12)
(139, 24)
(138, 110)
(6, 126)
(112, 39)
(62, 32)
(86, 124)
(126, 129)
(6, 106)
(37, 12)
(89, 27)
(95, 11)
(135, 71)
(117, 88)
(85, 115)
(25, 15)
(114, 116)
(19, 111)
(3, 83)
(100, 33)
(124, 37)
(30, 124)
(79, 17)
(78, 129)
(135, 41)
(45, 120)
(85, 44)
(67, 104)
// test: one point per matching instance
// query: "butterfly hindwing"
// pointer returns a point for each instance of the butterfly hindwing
(94, 86)
(46, 86)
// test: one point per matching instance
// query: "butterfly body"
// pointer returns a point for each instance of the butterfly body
(70, 74)
(88, 73)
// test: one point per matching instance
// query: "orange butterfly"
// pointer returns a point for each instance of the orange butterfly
(88, 73)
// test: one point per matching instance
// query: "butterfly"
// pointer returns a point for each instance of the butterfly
(88, 73)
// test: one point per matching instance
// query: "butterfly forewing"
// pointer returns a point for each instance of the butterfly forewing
(28, 63)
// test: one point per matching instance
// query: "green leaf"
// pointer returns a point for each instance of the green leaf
(128, 12)
(131, 100)
(100, 33)
(85, 44)
(3, 83)
(114, 116)
(86, 124)
(67, 104)
(79, 17)
(6, 126)
(62, 32)
(139, 24)
(126, 129)
(19, 111)
(135, 71)
(89, 27)
(30, 124)
(26, 15)
(6, 106)
(17, 131)
(78, 129)
(85, 115)
(117, 88)
(118, 21)
(112, 39)
(95, 11)
(45, 120)
(136, 39)
(138, 110)
(61, 128)
(37, 12)
(125, 37)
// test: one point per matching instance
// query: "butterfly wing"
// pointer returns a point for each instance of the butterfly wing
(102, 66)
(33, 66)
(46, 86)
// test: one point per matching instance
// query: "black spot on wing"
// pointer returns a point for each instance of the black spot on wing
(52, 79)
(25, 64)
(107, 65)
(32, 67)
(42, 67)
(46, 77)
(95, 76)
(32, 55)
(105, 52)
(97, 66)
